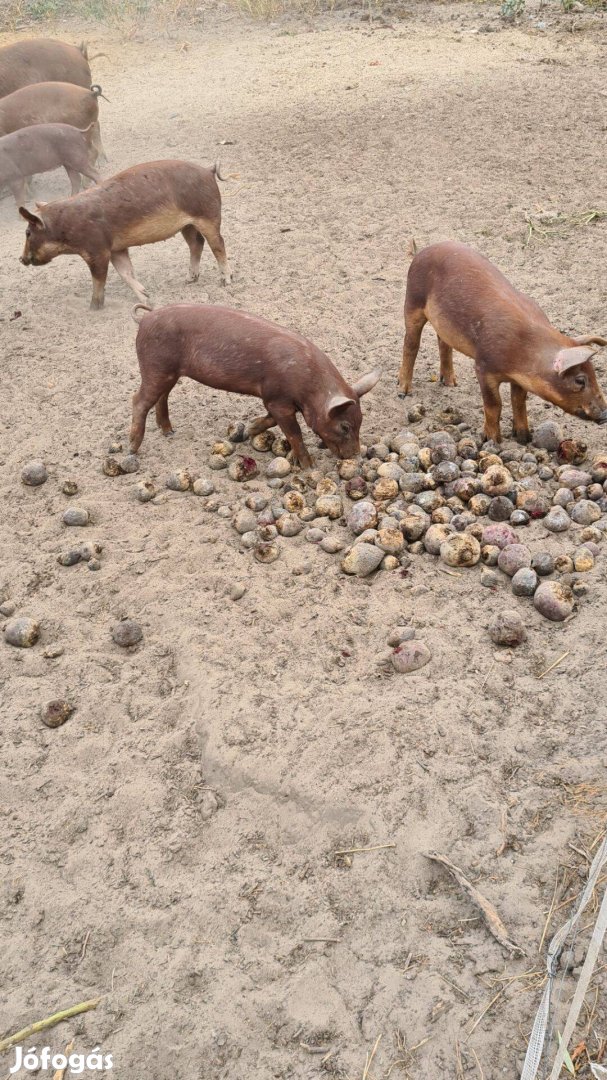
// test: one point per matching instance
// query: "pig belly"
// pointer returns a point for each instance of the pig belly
(448, 331)
(159, 225)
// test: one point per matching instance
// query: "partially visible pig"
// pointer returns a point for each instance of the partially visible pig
(43, 60)
(54, 103)
(39, 149)
(141, 205)
(474, 309)
(231, 350)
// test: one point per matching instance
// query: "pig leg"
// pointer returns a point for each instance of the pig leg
(259, 424)
(74, 179)
(287, 422)
(96, 144)
(98, 265)
(122, 263)
(195, 242)
(414, 324)
(447, 374)
(154, 393)
(520, 423)
(214, 239)
(18, 189)
(492, 403)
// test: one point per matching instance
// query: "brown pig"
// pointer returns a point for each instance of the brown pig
(474, 309)
(231, 350)
(42, 60)
(142, 205)
(39, 149)
(54, 103)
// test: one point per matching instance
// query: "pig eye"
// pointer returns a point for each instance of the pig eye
(345, 427)
(28, 231)
(580, 381)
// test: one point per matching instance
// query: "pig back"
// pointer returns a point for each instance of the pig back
(37, 149)
(48, 102)
(43, 60)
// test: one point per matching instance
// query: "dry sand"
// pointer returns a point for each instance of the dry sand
(173, 842)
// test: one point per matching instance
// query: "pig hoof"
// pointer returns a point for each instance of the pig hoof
(192, 279)
(168, 433)
(523, 437)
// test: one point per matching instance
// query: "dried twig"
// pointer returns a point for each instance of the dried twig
(490, 915)
(370, 1057)
(60, 1073)
(357, 850)
(555, 664)
(50, 1021)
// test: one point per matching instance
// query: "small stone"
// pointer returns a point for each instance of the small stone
(69, 487)
(507, 628)
(410, 656)
(362, 516)
(53, 651)
(180, 480)
(223, 447)
(263, 441)
(391, 541)
(429, 501)
(22, 632)
(524, 582)
(145, 491)
(414, 482)
(573, 478)
(563, 497)
(460, 549)
(56, 713)
(543, 563)
(293, 502)
(548, 435)
(217, 462)
(34, 473)
(249, 540)
(348, 469)
(278, 467)
(69, 558)
(76, 516)
(513, 558)
(585, 512)
(553, 600)
(94, 564)
(237, 432)
(224, 512)
(289, 524)
(130, 463)
(545, 473)
(244, 521)
(500, 535)
(8, 607)
(242, 468)
(416, 413)
(314, 536)
(400, 634)
(519, 518)
(115, 448)
(127, 633)
(357, 488)
(111, 467)
(595, 492)
(489, 578)
(331, 544)
(583, 560)
(329, 506)
(362, 560)
(266, 551)
(557, 520)
(237, 591)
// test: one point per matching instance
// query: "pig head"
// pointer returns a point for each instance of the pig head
(336, 418)
(569, 380)
(42, 241)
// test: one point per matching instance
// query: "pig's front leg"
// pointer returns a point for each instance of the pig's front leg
(287, 421)
(492, 403)
(520, 423)
(98, 265)
(259, 424)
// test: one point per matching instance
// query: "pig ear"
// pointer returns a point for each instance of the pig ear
(41, 205)
(337, 402)
(590, 339)
(32, 218)
(568, 358)
(367, 382)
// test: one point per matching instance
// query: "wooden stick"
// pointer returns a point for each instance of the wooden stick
(42, 1025)
(370, 1057)
(555, 664)
(60, 1074)
(356, 850)
(492, 920)
(331, 940)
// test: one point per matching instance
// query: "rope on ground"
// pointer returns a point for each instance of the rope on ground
(537, 1038)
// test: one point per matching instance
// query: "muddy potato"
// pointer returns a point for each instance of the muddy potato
(391, 541)
(56, 713)
(362, 559)
(203, 487)
(413, 527)
(293, 502)
(266, 551)
(571, 452)
(34, 473)
(583, 560)
(410, 656)
(389, 562)
(554, 600)
(223, 448)
(507, 628)
(479, 504)
(289, 524)
(263, 441)
(524, 582)
(460, 549)
(543, 563)
(242, 468)
(362, 516)
(127, 633)
(217, 462)
(514, 557)
(435, 536)
(384, 489)
(496, 480)
(563, 564)
(357, 488)
(489, 554)
(349, 468)
(145, 491)
(281, 447)
(585, 512)
(22, 632)
(278, 468)
(329, 506)
(237, 432)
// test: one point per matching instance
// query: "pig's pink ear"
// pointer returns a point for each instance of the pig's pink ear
(367, 382)
(337, 402)
(568, 358)
(41, 205)
(32, 218)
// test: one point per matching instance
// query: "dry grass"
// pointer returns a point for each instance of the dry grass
(120, 14)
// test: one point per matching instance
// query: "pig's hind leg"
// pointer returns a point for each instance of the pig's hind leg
(123, 265)
(195, 242)
(447, 374)
(74, 179)
(259, 424)
(149, 394)
(520, 423)
(214, 239)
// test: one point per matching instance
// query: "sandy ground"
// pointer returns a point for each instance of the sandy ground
(172, 845)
